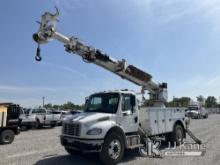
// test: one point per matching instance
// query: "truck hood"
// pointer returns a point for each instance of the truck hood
(196, 112)
(89, 117)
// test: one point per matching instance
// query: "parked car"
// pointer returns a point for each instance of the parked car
(37, 118)
(58, 115)
(197, 112)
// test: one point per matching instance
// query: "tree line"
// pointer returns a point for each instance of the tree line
(66, 106)
(209, 102)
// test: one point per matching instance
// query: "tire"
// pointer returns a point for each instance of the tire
(29, 127)
(72, 151)
(24, 128)
(37, 124)
(52, 125)
(7, 137)
(113, 149)
(177, 135)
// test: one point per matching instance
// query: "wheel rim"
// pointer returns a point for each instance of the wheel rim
(114, 149)
(7, 138)
(179, 136)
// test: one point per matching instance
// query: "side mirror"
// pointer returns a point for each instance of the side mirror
(86, 101)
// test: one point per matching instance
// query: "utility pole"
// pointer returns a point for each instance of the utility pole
(43, 101)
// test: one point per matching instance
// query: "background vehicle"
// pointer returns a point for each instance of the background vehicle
(37, 118)
(197, 111)
(57, 116)
(9, 122)
(69, 113)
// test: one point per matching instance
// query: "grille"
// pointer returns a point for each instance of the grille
(71, 129)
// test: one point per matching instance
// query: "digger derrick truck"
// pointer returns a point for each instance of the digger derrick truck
(112, 120)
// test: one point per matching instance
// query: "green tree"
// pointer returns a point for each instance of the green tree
(179, 102)
(48, 106)
(211, 101)
(200, 99)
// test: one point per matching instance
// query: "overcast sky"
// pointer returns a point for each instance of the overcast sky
(176, 41)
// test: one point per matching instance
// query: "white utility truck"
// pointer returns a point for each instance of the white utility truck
(113, 120)
(37, 117)
(197, 111)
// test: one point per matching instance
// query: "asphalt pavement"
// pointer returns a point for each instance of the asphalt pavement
(42, 147)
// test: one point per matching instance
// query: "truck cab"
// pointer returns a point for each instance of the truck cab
(110, 124)
(106, 114)
(9, 122)
(197, 111)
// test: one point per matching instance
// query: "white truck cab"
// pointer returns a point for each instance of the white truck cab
(112, 121)
(197, 111)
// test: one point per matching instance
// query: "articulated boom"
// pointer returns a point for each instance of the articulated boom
(47, 32)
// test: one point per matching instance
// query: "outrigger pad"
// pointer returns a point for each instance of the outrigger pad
(193, 136)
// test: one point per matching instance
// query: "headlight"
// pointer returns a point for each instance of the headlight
(94, 131)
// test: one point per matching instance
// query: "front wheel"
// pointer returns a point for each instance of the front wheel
(112, 150)
(7, 137)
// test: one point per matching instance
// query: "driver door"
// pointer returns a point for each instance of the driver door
(129, 115)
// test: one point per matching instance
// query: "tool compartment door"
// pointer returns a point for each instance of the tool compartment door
(153, 116)
(168, 120)
(161, 120)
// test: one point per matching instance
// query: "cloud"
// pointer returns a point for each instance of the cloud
(173, 10)
(66, 69)
(68, 6)
(24, 95)
(198, 85)
(16, 88)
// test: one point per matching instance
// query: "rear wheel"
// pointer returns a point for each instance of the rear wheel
(52, 125)
(7, 137)
(112, 150)
(37, 124)
(177, 135)
(23, 128)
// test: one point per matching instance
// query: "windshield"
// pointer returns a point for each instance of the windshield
(27, 111)
(56, 112)
(105, 103)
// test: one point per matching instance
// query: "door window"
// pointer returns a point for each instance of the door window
(126, 103)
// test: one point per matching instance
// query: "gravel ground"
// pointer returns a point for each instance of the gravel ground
(42, 147)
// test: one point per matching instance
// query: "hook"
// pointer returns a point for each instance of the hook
(38, 56)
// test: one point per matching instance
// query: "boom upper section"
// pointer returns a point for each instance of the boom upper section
(47, 32)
